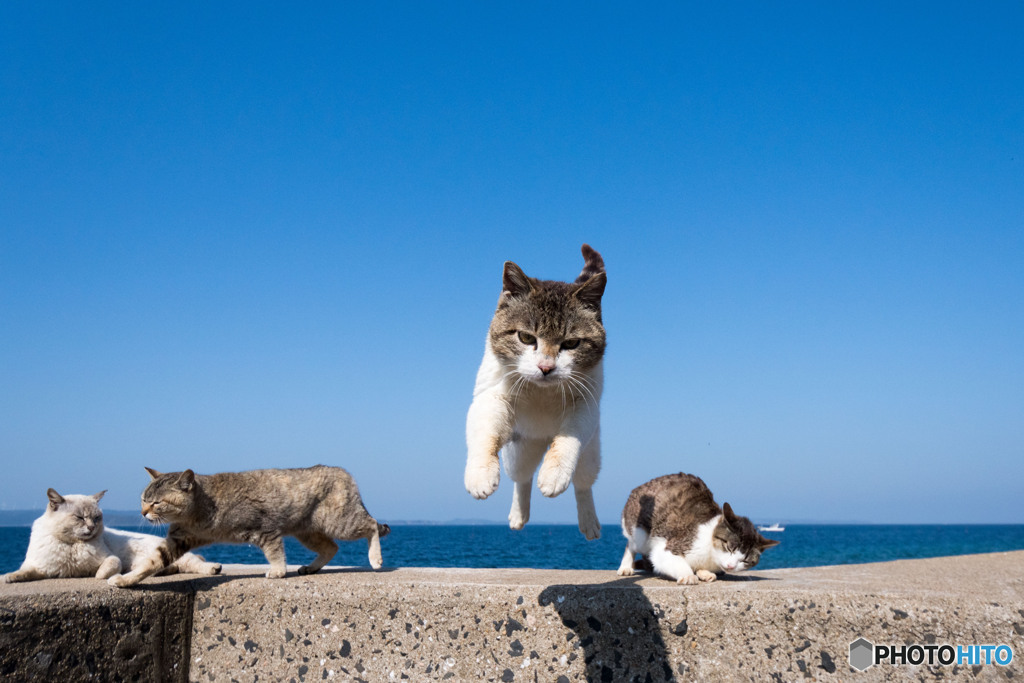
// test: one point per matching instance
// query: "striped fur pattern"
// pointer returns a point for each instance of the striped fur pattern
(316, 505)
(538, 392)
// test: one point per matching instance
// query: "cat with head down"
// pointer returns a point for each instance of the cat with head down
(674, 523)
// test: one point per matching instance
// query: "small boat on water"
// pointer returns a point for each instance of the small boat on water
(773, 527)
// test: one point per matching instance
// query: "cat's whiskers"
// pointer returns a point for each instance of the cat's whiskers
(517, 388)
(586, 393)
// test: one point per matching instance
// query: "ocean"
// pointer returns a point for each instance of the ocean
(553, 546)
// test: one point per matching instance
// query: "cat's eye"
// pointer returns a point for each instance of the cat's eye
(570, 344)
(527, 338)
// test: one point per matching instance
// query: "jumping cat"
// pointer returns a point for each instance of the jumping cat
(675, 524)
(314, 504)
(69, 541)
(538, 391)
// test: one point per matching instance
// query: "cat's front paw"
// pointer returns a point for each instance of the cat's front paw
(625, 571)
(705, 575)
(553, 480)
(307, 570)
(482, 481)
(689, 580)
(212, 568)
(276, 574)
(121, 581)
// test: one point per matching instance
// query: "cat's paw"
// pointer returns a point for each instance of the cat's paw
(689, 580)
(120, 581)
(516, 519)
(212, 568)
(553, 480)
(376, 562)
(705, 575)
(590, 527)
(276, 574)
(625, 571)
(482, 481)
(307, 570)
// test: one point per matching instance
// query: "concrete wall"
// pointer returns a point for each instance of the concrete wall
(77, 630)
(514, 624)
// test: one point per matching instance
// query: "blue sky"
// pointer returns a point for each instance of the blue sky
(249, 235)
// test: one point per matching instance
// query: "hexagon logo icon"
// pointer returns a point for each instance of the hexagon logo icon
(861, 654)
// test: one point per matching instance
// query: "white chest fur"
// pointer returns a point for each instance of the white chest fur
(58, 558)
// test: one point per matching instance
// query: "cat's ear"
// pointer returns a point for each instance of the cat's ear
(514, 281)
(153, 473)
(186, 480)
(730, 516)
(590, 292)
(99, 495)
(592, 263)
(765, 543)
(55, 498)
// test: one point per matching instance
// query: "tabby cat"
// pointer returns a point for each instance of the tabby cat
(538, 392)
(261, 507)
(69, 540)
(674, 523)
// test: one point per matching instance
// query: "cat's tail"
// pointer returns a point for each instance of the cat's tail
(592, 263)
(383, 530)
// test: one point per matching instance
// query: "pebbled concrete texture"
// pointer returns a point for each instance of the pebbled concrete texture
(80, 629)
(537, 625)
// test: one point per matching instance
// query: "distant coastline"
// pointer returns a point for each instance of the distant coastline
(132, 519)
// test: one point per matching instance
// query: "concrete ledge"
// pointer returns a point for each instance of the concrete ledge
(81, 629)
(519, 625)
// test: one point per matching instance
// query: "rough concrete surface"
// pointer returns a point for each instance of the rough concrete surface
(82, 629)
(541, 625)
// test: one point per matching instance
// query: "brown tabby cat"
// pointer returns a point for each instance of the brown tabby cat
(538, 392)
(261, 507)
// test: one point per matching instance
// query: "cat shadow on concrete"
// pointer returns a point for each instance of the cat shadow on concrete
(199, 582)
(617, 629)
(644, 569)
(740, 578)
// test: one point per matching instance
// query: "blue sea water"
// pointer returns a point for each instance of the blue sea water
(544, 546)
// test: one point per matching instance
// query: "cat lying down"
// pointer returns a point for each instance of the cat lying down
(675, 524)
(70, 541)
(314, 504)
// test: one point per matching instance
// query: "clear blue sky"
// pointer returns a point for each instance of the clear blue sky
(252, 235)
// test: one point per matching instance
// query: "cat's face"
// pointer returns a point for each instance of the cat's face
(169, 497)
(548, 333)
(737, 543)
(75, 518)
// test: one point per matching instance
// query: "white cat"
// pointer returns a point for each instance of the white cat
(69, 541)
(538, 391)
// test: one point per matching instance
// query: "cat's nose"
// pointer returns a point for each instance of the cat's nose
(546, 366)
